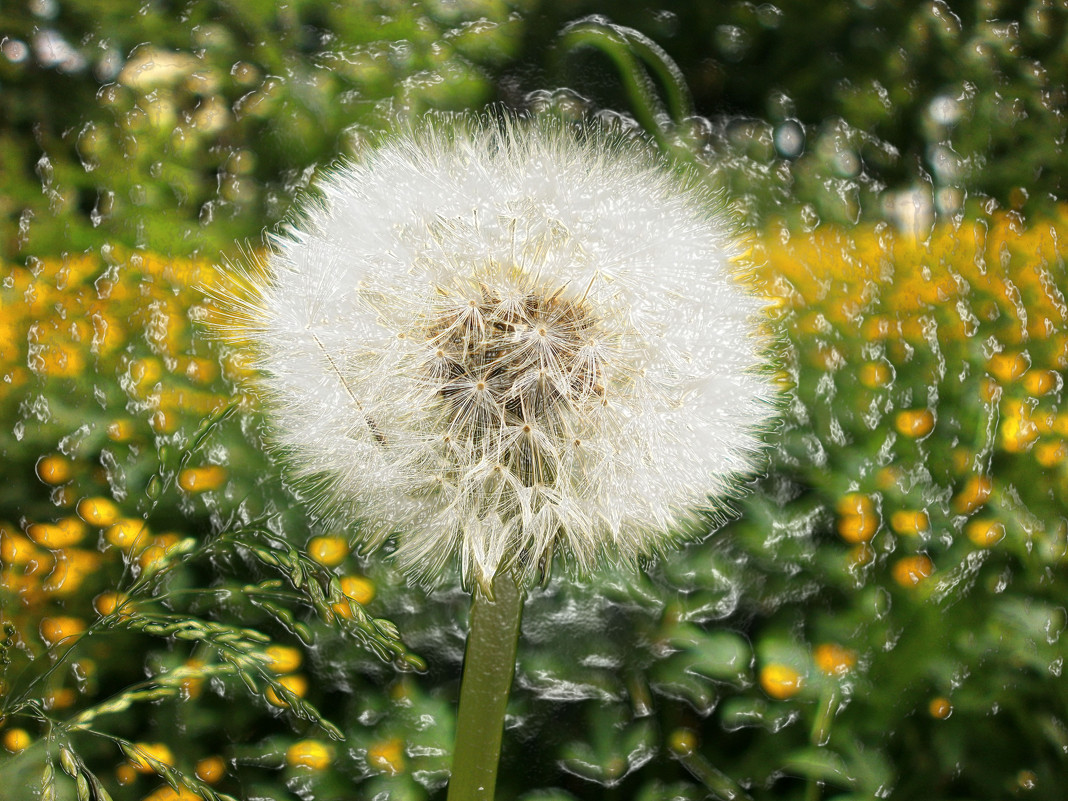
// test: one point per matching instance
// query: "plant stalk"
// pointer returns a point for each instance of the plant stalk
(489, 666)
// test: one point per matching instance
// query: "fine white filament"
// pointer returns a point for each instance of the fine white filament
(499, 340)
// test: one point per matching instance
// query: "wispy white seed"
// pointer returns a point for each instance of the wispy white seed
(496, 340)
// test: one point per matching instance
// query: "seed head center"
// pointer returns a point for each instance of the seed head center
(512, 358)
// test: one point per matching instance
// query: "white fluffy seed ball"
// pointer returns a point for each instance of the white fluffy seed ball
(497, 340)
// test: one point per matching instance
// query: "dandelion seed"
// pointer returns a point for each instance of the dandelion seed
(497, 341)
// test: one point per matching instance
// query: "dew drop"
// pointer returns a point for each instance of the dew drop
(790, 139)
(1055, 625)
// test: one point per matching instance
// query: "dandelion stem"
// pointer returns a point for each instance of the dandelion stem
(489, 665)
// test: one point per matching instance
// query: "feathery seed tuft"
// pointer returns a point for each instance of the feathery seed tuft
(499, 341)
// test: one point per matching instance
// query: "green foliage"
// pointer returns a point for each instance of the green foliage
(952, 98)
(199, 576)
(188, 130)
(885, 617)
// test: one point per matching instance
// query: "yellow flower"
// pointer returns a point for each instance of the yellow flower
(142, 753)
(858, 521)
(329, 551)
(202, 479)
(914, 423)
(359, 589)
(876, 374)
(170, 794)
(940, 708)
(54, 469)
(107, 602)
(985, 533)
(210, 769)
(975, 492)
(16, 740)
(1008, 366)
(912, 570)
(833, 659)
(387, 756)
(66, 532)
(780, 681)
(127, 533)
(296, 684)
(909, 522)
(72, 567)
(283, 659)
(310, 754)
(98, 511)
(56, 630)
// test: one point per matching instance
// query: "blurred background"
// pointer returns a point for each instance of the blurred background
(883, 619)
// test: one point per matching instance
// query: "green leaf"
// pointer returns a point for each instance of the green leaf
(721, 655)
(819, 764)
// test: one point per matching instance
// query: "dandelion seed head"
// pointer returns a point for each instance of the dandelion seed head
(496, 341)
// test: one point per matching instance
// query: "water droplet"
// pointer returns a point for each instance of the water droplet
(1056, 624)
(790, 139)
(733, 41)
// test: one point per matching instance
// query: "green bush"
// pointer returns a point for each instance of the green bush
(885, 616)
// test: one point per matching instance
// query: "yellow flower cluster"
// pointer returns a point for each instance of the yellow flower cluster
(103, 345)
(933, 374)
(827, 663)
(113, 337)
(65, 317)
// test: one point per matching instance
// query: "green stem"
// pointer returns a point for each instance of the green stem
(635, 54)
(489, 665)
